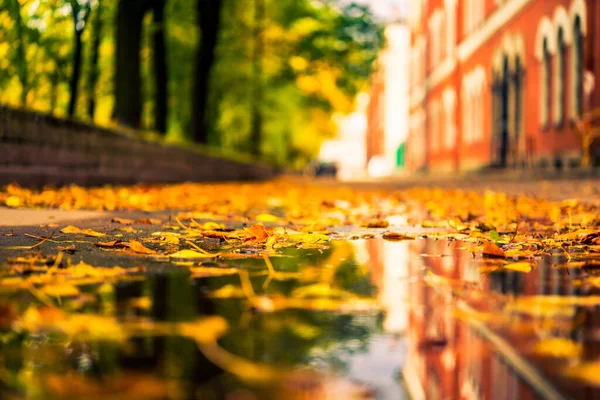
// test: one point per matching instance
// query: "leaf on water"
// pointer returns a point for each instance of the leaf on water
(587, 372)
(192, 254)
(123, 221)
(60, 290)
(139, 248)
(519, 266)
(257, 233)
(201, 272)
(87, 232)
(396, 236)
(491, 250)
(558, 347)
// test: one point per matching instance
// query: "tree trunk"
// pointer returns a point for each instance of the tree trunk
(209, 12)
(22, 71)
(257, 56)
(93, 77)
(53, 90)
(128, 92)
(74, 83)
(160, 67)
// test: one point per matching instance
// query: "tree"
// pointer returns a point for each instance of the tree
(160, 66)
(209, 14)
(257, 58)
(80, 10)
(94, 73)
(21, 60)
(128, 96)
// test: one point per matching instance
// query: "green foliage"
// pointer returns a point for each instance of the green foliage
(317, 56)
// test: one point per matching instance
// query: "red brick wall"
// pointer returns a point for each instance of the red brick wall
(536, 144)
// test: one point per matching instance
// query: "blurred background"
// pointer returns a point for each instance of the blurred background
(353, 89)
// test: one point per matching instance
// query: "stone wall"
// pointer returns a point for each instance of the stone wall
(38, 149)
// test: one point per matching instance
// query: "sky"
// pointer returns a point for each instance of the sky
(384, 8)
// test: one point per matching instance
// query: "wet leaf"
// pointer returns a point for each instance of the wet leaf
(138, 247)
(123, 221)
(493, 251)
(396, 237)
(192, 255)
(519, 267)
(87, 232)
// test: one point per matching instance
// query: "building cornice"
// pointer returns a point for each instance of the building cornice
(441, 72)
(497, 20)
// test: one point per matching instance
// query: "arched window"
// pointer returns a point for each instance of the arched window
(577, 67)
(518, 93)
(559, 81)
(546, 84)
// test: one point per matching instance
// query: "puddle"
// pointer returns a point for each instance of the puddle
(361, 319)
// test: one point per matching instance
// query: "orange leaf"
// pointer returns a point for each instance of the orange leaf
(138, 247)
(86, 232)
(124, 221)
(491, 250)
(257, 233)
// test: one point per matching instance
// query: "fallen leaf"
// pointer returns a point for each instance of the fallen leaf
(192, 254)
(395, 236)
(257, 233)
(376, 223)
(124, 221)
(519, 266)
(138, 247)
(86, 232)
(491, 250)
(148, 221)
(13, 201)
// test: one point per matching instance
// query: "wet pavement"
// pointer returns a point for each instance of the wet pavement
(364, 318)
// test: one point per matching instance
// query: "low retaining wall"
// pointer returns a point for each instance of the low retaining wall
(38, 149)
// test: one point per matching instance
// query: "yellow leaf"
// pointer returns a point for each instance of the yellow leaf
(519, 267)
(86, 232)
(192, 254)
(267, 218)
(557, 347)
(60, 290)
(13, 201)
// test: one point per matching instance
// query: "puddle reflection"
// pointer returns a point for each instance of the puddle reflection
(454, 327)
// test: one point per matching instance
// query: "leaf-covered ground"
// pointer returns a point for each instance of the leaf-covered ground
(278, 248)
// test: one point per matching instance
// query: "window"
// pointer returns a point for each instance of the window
(449, 98)
(546, 84)
(518, 93)
(559, 81)
(473, 14)
(577, 68)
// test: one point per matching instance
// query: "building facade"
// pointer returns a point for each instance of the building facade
(500, 83)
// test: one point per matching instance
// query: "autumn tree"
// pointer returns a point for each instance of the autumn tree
(159, 59)
(95, 54)
(209, 15)
(128, 95)
(80, 10)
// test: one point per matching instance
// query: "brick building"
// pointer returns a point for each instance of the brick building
(500, 82)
